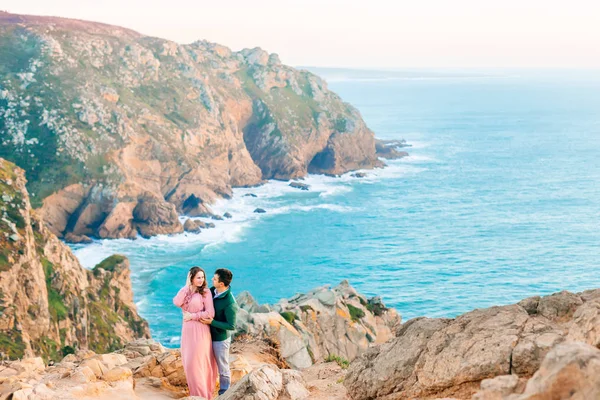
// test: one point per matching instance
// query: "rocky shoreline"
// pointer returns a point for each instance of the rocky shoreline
(541, 347)
(120, 133)
(90, 342)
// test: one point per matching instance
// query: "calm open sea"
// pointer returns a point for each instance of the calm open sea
(499, 200)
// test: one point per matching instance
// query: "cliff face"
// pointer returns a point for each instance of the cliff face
(48, 301)
(119, 132)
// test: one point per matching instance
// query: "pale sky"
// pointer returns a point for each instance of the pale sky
(368, 33)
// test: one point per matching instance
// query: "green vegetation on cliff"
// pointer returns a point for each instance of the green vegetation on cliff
(74, 97)
(12, 221)
(100, 315)
(11, 344)
(47, 348)
(56, 307)
(109, 263)
(355, 313)
(289, 316)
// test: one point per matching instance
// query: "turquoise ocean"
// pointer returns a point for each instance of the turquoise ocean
(498, 200)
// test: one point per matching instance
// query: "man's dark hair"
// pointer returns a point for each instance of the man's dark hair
(225, 276)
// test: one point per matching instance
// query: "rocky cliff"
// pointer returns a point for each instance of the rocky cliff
(553, 341)
(325, 322)
(119, 132)
(49, 304)
(496, 350)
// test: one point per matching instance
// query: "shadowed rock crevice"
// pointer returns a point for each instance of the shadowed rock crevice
(322, 161)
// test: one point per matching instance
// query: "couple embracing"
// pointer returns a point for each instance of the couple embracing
(208, 321)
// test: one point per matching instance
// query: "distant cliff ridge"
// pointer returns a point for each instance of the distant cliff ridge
(118, 132)
(49, 304)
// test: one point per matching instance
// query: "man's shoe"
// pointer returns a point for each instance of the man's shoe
(221, 391)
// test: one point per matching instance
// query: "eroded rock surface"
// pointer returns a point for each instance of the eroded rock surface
(323, 322)
(119, 132)
(50, 304)
(432, 358)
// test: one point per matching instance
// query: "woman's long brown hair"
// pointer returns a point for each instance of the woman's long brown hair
(192, 274)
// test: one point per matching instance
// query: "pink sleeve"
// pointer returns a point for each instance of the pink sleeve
(181, 297)
(209, 308)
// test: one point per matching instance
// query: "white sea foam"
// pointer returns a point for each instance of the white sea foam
(276, 197)
(297, 207)
(93, 253)
(336, 190)
(415, 144)
(142, 304)
(419, 158)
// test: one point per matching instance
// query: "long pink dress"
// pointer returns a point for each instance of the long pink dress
(197, 355)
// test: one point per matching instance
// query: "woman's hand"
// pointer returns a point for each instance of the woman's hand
(187, 316)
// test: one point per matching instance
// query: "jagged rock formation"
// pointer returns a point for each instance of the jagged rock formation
(432, 358)
(119, 132)
(451, 356)
(50, 304)
(86, 374)
(146, 370)
(388, 149)
(324, 322)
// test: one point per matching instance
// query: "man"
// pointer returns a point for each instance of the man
(223, 324)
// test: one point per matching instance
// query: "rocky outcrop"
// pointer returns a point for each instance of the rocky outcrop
(389, 149)
(119, 133)
(86, 374)
(193, 226)
(49, 304)
(324, 322)
(145, 370)
(570, 370)
(269, 383)
(299, 185)
(432, 358)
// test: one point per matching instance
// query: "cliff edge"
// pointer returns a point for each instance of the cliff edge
(119, 132)
(49, 304)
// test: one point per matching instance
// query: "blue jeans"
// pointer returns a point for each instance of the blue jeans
(221, 350)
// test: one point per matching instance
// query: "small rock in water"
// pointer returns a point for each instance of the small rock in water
(217, 217)
(359, 175)
(227, 215)
(259, 211)
(250, 195)
(193, 226)
(210, 225)
(298, 185)
(73, 238)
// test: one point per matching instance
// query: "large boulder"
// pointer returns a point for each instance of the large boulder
(268, 383)
(450, 357)
(569, 371)
(193, 225)
(153, 217)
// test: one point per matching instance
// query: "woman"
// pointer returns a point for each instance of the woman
(196, 346)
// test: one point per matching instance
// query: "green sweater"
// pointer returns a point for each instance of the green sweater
(225, 312)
